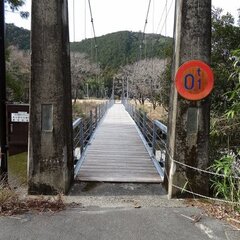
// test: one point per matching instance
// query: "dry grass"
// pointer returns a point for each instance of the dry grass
(12, 205)
(158, 114)
(12, 202)
(82, 107)
(94, 101)
(17, 170)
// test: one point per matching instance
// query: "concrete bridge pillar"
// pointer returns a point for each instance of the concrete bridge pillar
(188, 129)
(50, 161)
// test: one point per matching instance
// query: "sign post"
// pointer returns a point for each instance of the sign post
(194, 80)
(189, 106)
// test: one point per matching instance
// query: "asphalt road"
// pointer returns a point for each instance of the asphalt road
(92, 223)
(118, 212)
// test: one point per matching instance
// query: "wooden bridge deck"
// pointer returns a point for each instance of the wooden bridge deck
(117, 153)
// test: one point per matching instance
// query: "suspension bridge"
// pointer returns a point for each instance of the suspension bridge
(118, 152)
(115, 148)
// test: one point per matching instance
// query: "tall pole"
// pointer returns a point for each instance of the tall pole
(127, 88)
(87, 92)
(123, 90)
(113, 83)
(3, 137)
(188, 124)
(50, 168)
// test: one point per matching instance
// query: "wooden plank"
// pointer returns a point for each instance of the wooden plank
(123, 179)
(117, 153)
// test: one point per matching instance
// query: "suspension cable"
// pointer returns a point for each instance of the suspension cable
(85, 17)
(166, 16)
(144, 29)
(160, 21)
(94, 33)
(90, 9)
(73, 20)
(146, 20)
(165, 39)
(95, 42)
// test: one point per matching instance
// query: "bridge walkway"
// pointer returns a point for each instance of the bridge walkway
(117, 153)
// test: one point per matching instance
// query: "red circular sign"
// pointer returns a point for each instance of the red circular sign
(194, 80)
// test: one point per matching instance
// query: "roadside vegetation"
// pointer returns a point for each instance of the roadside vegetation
(17, 170)
(225, 117)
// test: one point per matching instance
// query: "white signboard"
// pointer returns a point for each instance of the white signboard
(20, 117)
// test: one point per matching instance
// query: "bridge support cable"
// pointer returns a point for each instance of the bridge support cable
(142, 44)
(85, 19)
(163, 32)
(164, 15)
(94, 32)
(95, 47)
(143, 39)
(74, 21)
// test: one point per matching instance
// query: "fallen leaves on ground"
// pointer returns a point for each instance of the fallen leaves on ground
(220, 211)
(11, 204)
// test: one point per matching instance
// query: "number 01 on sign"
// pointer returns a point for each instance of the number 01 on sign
(194, 80)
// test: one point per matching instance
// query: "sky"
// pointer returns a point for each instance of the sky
(118, 15)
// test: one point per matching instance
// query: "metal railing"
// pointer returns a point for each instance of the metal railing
(83, 129)
(154, 132)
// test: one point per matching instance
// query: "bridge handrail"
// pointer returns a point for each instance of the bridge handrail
(154, 131)
(160, 126)
(84, 127)
(77, 122)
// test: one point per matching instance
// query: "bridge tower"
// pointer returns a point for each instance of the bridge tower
(50, 161)
(189, 120)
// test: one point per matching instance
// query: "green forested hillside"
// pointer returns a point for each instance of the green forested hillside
(120, 48)
(18, 37)
(114, 49)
